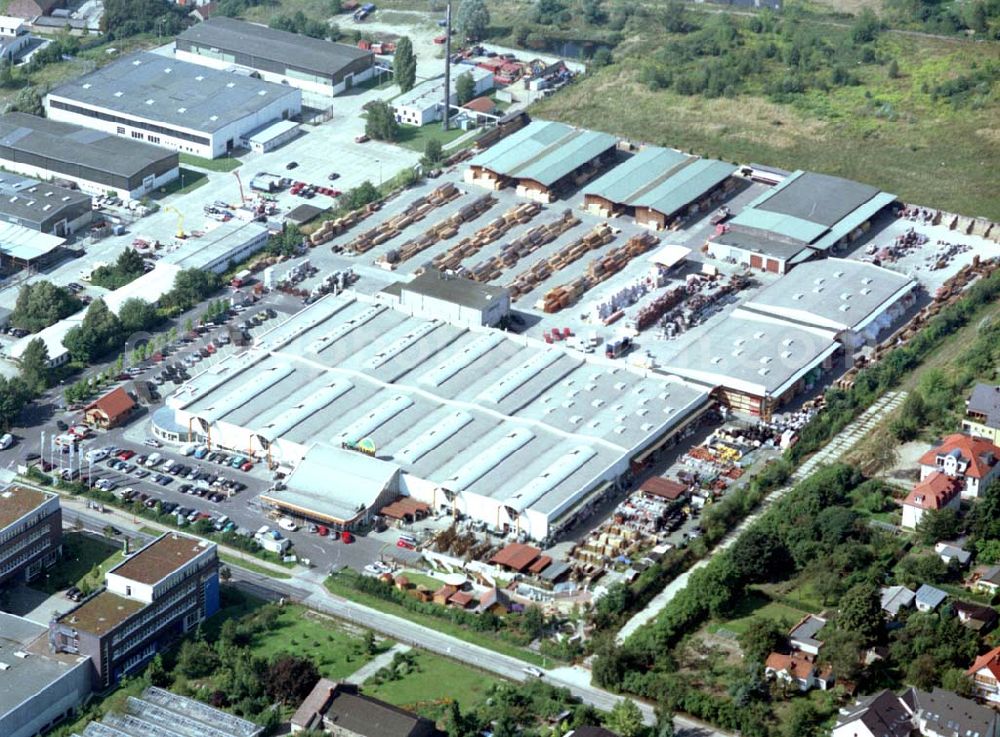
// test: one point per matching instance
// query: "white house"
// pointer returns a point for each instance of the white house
(935, 492)
(985, 675)
(974, 461)
(425, 103)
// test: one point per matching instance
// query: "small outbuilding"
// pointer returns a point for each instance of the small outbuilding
(111, 410)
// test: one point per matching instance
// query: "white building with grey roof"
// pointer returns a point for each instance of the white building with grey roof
(172, 103)
(506, 429)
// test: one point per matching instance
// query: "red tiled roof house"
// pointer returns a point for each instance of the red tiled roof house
(974, 461)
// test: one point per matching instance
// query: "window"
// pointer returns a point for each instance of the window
(121, 130)
(154, 139)
(137, 134)
(128, 591)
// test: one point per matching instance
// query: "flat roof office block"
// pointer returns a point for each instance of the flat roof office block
(30, 532)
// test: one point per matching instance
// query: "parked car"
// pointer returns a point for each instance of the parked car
(286, 523)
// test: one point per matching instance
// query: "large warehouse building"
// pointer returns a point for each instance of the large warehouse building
(173, 103)
(94, 161)
(508, 430)
(43, 207)
(658, 186)
(805, 215)
(543, 160)
(309, 64)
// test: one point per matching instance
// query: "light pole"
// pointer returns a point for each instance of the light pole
(379, 161)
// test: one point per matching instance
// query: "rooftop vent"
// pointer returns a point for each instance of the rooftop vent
(182, 109)
(739, 341)
(119, 93)
(575, 420)
(766, 360)
(764, 371)
(845, 308)
(136, 62)
(642, 412)
(261, 92)
(845, 296)
(866, 280)
(759, 335)
(738, 352)
(716, 360)
(819, 280)
(167, 70)
(597, 403)
(200, 78)
(230, 84)
(818, 290)
(150, 101)
(787, 341)
(797, 296)
(839, 274)
(86, 85)
(786, 354)
(866, 291)
(213, 118)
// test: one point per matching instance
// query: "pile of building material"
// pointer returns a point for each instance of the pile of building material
(332, 228)
(598, 270)
(495, 229)
(447, 228)
(684, 306)
(902, 245)
(599, 236)
(415, 212)
(534, 239)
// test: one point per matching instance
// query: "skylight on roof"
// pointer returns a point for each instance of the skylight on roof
(118, 93)
(200, 78)
(86, 85)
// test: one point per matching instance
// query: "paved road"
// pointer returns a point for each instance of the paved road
(830, 453)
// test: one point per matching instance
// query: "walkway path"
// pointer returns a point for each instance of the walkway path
(830, 453)
(376, 664)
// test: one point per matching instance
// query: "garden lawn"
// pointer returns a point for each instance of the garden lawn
(412, 137)
(756, 605)
(435, 682)
(248, 565)
(337, 652)
(223, 164)
(82, 553)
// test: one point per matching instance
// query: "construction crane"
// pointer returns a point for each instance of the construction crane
(180, 221)
(243, 199)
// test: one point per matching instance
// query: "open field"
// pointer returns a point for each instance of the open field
(432, 684)
(888, 132)
(249, 565)
(756, 605)
(223, 164)
(337, 652)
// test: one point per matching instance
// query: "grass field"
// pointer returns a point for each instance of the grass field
(887, 132)
(341, 586)
(251, 566)
(433, 684)
(338, 653)
(224, 164)
(416, 138)
(83, 553)
(756, 605)
(188, 181)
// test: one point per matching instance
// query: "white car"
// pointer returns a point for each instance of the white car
(97, 455)
(150, 443)
(105, 484)
(287, 524)
(6, 441)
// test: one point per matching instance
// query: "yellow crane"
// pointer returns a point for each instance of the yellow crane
(180, 221)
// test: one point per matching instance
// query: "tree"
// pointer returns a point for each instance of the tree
(404, 65)
(803, 720)
(42, 304)
(190, 287)
(458, 724)
(759, 555)
(893, 70)
(866, 28)
(371, 645)
(136, 314)
(861, 611)
(593, 13)
(433, 154)
(225, 574)
(938, 524)
(664, 723)
(157, 673)
(602, 58)
(472, 19)
(100, 333)
(14, 394)
(28, 100)
(465, 87)
(842, 650)
(956, 680)
(979, 19)
(381, 122)
(760, 638)
(625, 719)
(35, 365)
(291, 678)
(912, 415)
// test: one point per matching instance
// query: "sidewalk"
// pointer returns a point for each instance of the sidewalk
(832, 452)
(379, 662)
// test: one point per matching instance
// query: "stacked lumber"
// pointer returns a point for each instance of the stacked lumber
(600, 235)
(332, 228)
(518, 248)
(470, 246)
(417, 210)
(598, 270)
(445, 229)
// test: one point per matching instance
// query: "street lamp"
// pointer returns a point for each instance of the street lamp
(379, 162)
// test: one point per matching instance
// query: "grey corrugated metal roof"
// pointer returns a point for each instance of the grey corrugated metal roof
(544, 151)
(314, 54)
(176, 93)
(927, 595)
(456, 289)
(78, 146)
(985, 399)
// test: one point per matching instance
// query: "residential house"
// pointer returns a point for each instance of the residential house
(496, 600)
(591, 731)
(982, 413)
(949, 552)
(803, 635)
(32, 8)
(880, 715)
(935, 492)
(974, 461)
(896, 598)
(111, 410)
(800, 669)
(164, 590)
(985, 675)
(929, 598)
(443, 594)
(976, 617)
(986, 580)
(342, 710)
(461, 600)
(941, 713)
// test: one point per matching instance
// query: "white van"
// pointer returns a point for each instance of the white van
(154, 459)
(97, 455)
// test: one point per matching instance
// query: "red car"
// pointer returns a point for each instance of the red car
(126, 454)
(246, 466)
(404, 544)
(322, 531)
(210, 348)
(346, 537)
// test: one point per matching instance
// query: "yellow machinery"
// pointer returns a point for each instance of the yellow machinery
(180, 221)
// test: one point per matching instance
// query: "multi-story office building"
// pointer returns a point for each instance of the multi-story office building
(161, 592)
(30, 532)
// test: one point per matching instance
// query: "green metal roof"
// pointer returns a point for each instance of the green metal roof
(628, 180)
(686, 186)
(779, 224)
(544, 151)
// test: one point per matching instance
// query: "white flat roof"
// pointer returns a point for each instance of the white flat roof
(670, 255)
(25, 244)
(272, 131)
(469, 409)
(149, 287)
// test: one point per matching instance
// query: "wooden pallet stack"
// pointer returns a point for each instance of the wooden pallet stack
(517, 249)
(417, 211)
(598, 270)
(495, 229)
(330, 229)
(524, 282)
(447, 228)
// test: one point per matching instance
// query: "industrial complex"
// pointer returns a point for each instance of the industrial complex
(309, 64)
(94, 161)
(506, 430)
(172, 103)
